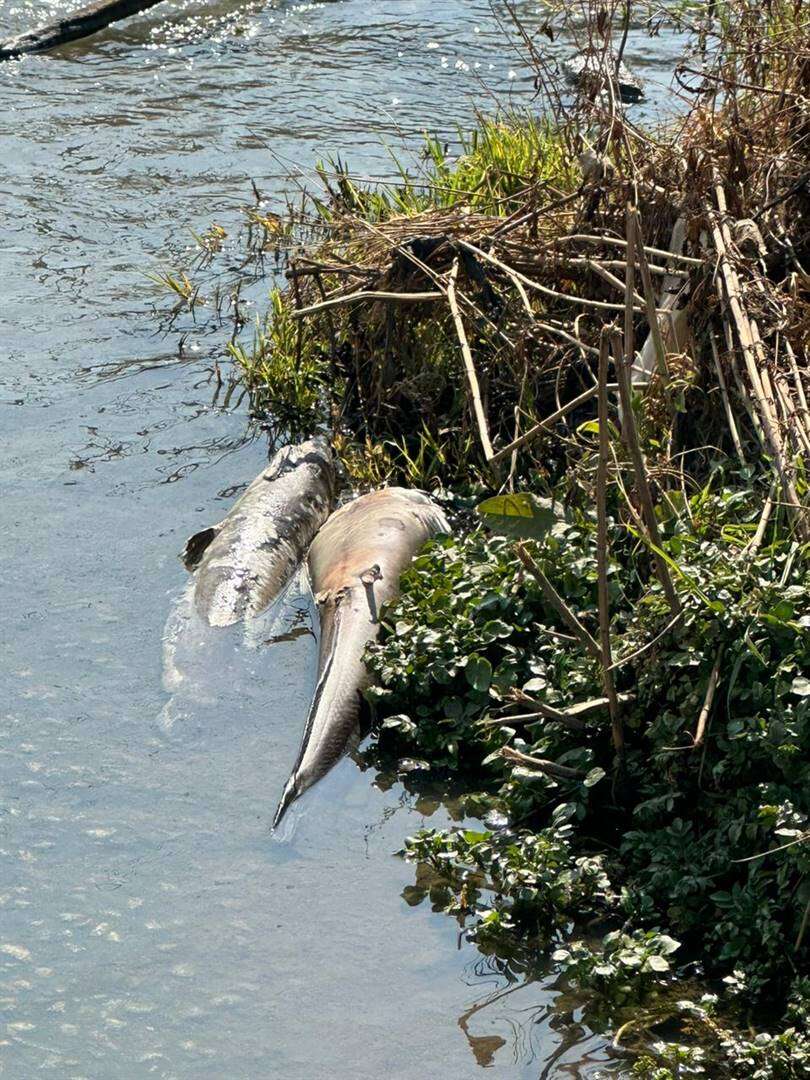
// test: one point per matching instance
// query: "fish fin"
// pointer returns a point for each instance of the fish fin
(195, 547)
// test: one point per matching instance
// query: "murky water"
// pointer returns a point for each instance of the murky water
(149, 926)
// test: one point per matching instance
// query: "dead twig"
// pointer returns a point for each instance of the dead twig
(554, 599)
(602, 548)
(469, 366)
(640, 472)
(700, 730)
(544, 425)
(634, 655)
(600, 305)
(755, 543)
(543, 765)
(649, 296)
(667, 256)
(721, 382)
(367, 294)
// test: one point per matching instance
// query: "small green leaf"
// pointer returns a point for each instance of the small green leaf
(801, 686)
(657, 963)
(590, 427)
(593, 777)
(667, 945)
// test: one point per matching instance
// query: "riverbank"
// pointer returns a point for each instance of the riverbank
(603, 329)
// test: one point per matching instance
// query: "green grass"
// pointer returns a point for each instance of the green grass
(493, 170)
(286, 369)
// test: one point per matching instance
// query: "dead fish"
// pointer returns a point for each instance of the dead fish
(244, 561)
(355, 564)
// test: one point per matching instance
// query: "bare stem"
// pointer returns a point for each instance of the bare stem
(640, 472)
(554, 599)
(602, 547)
(469, 366)
(550, 768)
(700, 731)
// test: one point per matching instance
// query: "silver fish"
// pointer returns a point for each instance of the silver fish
(244, 561)
(355, 564)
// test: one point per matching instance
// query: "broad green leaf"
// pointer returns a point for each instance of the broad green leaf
(801, 686)
(479, 672)
(522, 516)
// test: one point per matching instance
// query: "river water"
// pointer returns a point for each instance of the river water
(149, 925)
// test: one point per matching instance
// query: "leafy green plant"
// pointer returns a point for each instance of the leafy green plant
(626, 969)
(706, 844)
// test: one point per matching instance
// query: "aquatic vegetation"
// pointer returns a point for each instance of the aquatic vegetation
(178, 284)
(706, 838)
(287, 370)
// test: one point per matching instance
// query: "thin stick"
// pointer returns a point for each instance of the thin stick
(649, 296)
(544, 425)
(367, 294)
(629, 357)
(648, 644)
(772, 851)
(700, 731)
(554, 599)
(620, 264)
(754, 544)
(611, 279)
(793, 420)
(721, 380)
(803, 927)
(532, 717)
(472, 378)
(550, 768)
(524, 296)
(602, 305)
(566, 337)
(799, 387)
(640, 472)
(667, 256)
(602, 547)
(569, 717)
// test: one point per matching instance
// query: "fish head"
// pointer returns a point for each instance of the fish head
(315, 454)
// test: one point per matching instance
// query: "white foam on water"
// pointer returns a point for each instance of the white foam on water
(213, 671)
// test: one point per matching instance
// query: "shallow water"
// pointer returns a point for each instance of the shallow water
(149, 926)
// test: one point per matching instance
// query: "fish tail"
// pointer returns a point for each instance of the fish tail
(288, 797)
(293, 788)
